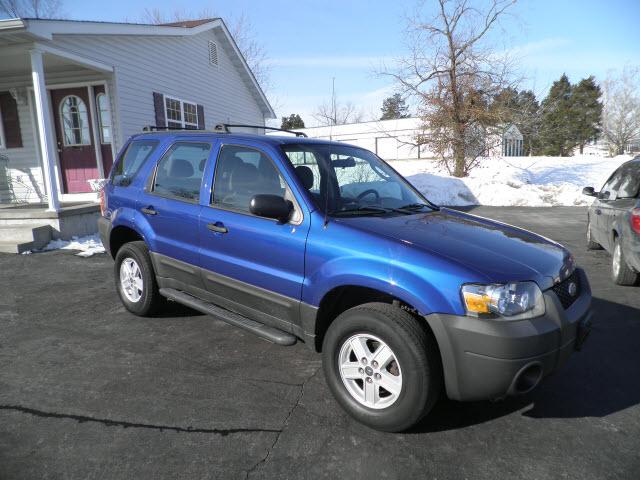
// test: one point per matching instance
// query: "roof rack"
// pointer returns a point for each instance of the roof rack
(157, 128)
(224, 127)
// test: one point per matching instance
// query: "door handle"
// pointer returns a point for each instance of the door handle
(148, 211)
(217, 227)
(598, 211)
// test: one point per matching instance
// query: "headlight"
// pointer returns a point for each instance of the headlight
(513, 301)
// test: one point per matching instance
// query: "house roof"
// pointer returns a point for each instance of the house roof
(19, 30)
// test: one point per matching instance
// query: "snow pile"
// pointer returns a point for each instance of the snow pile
(87, 246)
(516, 181)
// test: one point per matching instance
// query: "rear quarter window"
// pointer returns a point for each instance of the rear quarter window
(132, 160)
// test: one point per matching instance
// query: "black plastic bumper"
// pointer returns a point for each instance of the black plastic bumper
(104, 228)
(487, 359)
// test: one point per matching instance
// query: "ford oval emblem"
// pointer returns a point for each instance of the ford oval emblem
(572, 288)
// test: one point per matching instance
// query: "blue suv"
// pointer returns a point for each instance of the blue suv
(301, 239)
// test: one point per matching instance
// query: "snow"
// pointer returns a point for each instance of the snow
(513, 181)
(86, 246)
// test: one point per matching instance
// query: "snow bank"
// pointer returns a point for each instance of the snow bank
(516, 181)
(86, 246)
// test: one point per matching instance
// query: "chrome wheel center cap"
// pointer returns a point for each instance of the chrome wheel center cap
(368, 371)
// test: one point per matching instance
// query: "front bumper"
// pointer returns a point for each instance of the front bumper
(487, 359)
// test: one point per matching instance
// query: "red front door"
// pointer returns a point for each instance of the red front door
(74, 131)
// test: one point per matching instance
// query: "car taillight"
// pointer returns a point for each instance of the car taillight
(635, 220)
(103, 207)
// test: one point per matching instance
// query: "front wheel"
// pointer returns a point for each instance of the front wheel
(382, 366)
(621, 272)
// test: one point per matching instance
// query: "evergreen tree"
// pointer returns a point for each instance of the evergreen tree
(587, 111)
(394, 107)
(557, 130)
(292, 122)
(511, 107)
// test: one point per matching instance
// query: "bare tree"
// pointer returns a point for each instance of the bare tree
(336, 113)
(31, 8)
(455, 74)
(241, 29)
(621, 112)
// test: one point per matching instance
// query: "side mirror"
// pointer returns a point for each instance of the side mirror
(589, 191)
(271, 206)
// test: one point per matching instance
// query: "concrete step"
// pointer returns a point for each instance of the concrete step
(13, 247)
(18, 238)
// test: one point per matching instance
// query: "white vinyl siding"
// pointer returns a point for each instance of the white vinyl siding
(176, 66)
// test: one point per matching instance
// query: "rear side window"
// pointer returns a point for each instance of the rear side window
(131, 160)
(179, 171)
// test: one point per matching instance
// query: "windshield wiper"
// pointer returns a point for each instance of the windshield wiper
(419, 206)
(363, 210)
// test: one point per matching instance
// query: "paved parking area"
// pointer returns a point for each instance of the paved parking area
(90, 391)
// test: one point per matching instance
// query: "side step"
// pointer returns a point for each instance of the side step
(272, 334)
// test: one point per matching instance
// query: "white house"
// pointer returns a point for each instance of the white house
(71, 92)
(396, 139)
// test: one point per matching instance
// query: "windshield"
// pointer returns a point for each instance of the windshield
(346, 180)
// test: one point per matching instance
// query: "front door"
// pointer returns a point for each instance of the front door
(74, 132)
(251, 264)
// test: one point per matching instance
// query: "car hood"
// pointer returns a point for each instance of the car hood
(498, 251)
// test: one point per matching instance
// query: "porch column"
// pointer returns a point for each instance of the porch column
(45, 130)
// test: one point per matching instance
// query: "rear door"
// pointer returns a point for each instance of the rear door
(252, 265)
(170, 203)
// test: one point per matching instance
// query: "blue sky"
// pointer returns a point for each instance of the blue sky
(309, 42)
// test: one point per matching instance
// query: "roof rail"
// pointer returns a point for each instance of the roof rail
(224, 127)
(157, 128)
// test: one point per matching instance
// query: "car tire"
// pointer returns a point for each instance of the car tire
(136, 281)
(591, 245)
(413, 375)
(621, 272)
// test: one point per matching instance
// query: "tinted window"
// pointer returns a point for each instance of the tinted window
(131, 160)
(241, 173)
(179, 172)
(629, 180)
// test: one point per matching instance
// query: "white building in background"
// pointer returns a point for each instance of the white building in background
(396, 139)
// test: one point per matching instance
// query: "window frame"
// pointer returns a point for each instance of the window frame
(100, 123)
(183, 123)
(151, 182)
(3, 141)
(296, 203)
(62, 126)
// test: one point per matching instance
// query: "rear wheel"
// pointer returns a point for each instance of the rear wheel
(591, 245)
(382, 366)
(136, 281)
(621, 272)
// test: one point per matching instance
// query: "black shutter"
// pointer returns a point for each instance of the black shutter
(158, 104)
(201, 117)
(10, 120)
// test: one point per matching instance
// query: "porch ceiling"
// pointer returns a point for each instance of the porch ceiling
(18, 63)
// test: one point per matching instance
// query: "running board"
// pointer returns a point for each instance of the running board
(269, 333)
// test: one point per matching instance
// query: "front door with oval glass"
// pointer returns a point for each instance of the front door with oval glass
(74, 132)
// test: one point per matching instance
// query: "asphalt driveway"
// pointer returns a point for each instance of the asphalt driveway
(89, 391)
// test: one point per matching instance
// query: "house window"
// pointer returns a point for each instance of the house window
(180, 113)
(75, 121)
(104, 118)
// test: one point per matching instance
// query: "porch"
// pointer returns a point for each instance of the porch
(56, 127)
(31, 226)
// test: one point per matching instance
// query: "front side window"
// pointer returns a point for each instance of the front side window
(179, 172)
(241, 173)
(130, 162)
(351, 180)
(629, 185)
(180, 114)
(104, 117)
(75, 121)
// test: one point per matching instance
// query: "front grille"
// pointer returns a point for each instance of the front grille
(562, 290)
